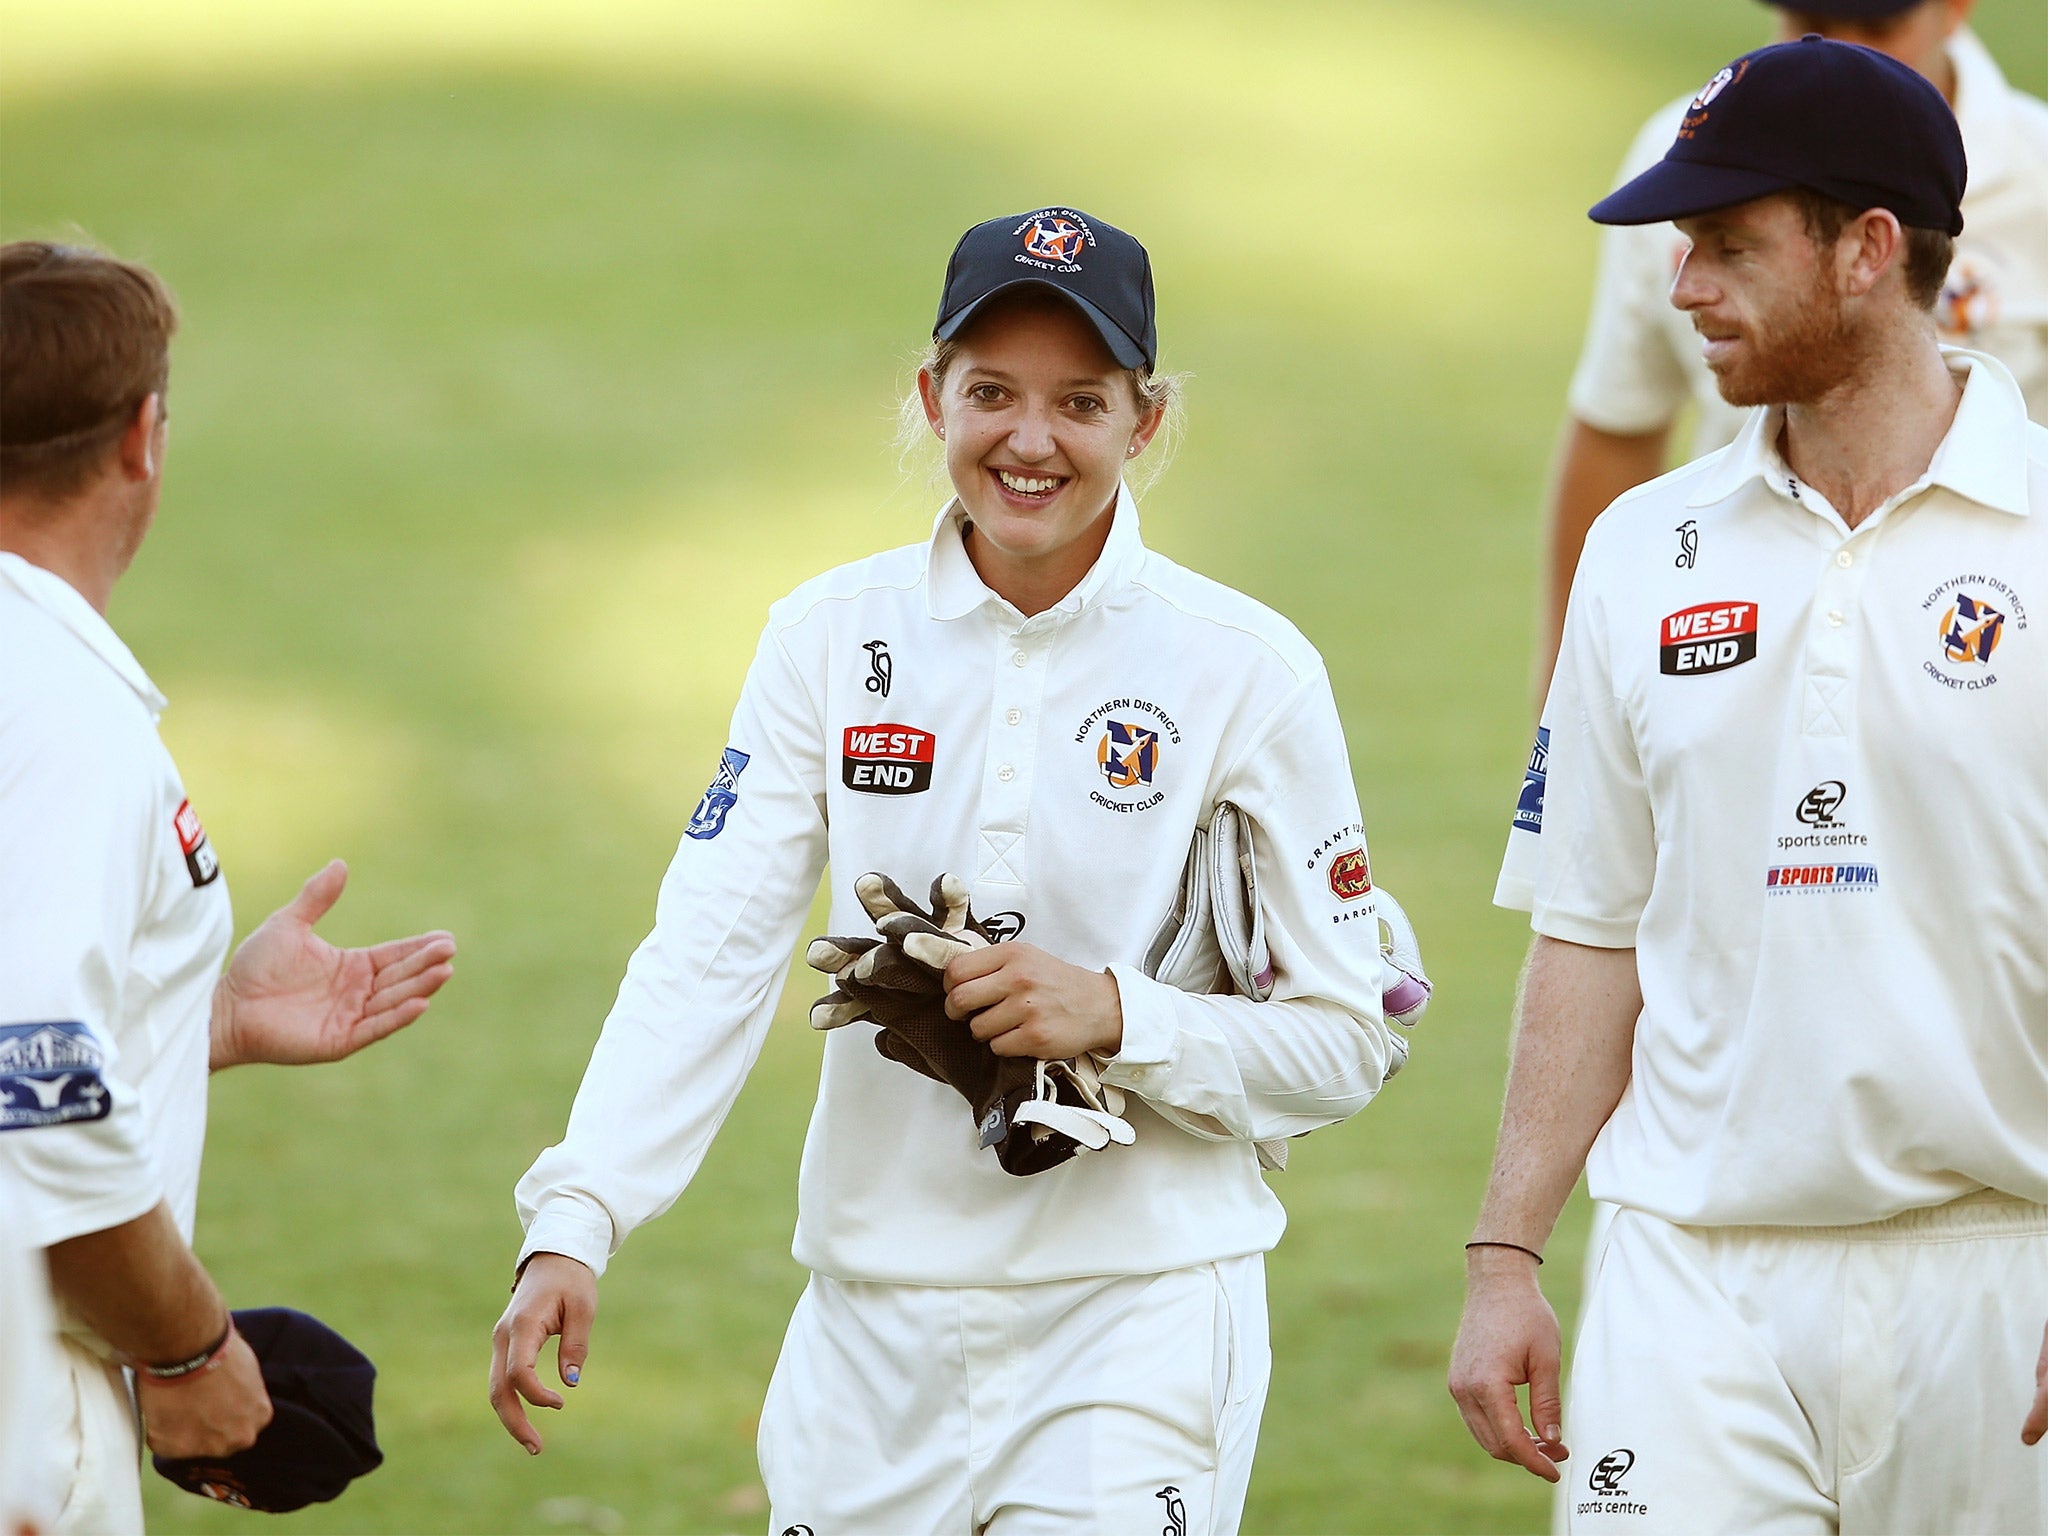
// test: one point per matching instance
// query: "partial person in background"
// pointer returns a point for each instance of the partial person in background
(1642, 365)
(29, 1373)
(114, 916)
(1784, 844)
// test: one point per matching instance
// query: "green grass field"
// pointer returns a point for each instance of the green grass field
(531, 350)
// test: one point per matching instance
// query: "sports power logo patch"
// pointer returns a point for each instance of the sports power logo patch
(1350, 875)
(200, 861)
(723, 793)
(50, 1074)
(1785, 879)
(887, 759)
(1707, 637)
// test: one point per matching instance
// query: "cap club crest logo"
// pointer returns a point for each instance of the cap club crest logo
(1127, 754)
(1713, 88)
(1054, 237)
(1971, 630)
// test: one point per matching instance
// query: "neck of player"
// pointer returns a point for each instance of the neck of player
(1874, 434)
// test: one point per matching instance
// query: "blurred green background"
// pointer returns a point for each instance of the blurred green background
(530, 349)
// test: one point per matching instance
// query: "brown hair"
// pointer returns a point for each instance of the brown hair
(1928, 251)
(84, 339)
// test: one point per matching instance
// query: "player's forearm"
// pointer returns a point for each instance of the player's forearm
(1573, 1036)
(1260, 1070)
(140, 1287)
(1593, 468)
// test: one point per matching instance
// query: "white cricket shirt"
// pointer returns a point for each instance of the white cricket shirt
(1641, 361)
(901, 717)
(114, 921)
(1803, 771)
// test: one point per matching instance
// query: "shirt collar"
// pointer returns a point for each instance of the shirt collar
(954, 589)
(1983, 457)
(63, 602)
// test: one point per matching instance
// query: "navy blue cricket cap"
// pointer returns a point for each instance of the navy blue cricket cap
(1845, 121)
(322, 1435)
(1845, 10)
(1104, 271)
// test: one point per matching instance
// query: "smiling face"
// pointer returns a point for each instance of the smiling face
(1764, 297)
(1039, 422)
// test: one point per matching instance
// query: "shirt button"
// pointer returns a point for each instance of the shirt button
(1020, 660)
(1835, 619)
(1006, 773)
(1013, 715)
(1844, 559)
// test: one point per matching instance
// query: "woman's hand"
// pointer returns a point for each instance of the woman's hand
(1024, 1002)
(555, 1294)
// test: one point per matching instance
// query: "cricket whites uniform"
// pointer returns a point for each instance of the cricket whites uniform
(1803, 772)
(1083, 1349)
(1642, 362)
(114, 921)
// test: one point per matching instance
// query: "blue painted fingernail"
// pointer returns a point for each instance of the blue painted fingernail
(572, 1374)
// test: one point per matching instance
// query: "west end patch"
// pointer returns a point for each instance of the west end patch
(201, 863)
(49, 1075)
(1707, 637)
(886, 759)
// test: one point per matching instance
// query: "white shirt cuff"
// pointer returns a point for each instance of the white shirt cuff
(1151, 1045)
(567, 1228)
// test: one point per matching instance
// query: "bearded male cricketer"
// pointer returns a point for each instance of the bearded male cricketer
(1784, 840)
(114, 923)
(1639, 367)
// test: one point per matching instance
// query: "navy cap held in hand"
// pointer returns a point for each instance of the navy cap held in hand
(322, 1435)
(1845, 121)
(1104, 271)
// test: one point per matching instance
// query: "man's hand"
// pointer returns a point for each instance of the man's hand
(2037, 1421)
(214, 1414)
(1024, 1002)
(291, 998)
(1508, 1338)
(555, 1294)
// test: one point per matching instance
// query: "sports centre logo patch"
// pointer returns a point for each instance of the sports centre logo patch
(1529, 809)
(201, 863)
(1607, 1486)
(1350, 875)
(1056, 238)
(708, 820)
(887, 759)
(1788, 879)
(50, 1074)
(1707, 637)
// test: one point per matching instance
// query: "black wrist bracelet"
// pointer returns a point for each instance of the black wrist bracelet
(183, 1370)
(1489, 1243)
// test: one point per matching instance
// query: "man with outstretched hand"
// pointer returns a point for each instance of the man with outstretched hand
(114, 917)
(1784, 840)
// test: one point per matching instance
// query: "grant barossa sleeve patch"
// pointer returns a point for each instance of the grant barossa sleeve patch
(887, 759)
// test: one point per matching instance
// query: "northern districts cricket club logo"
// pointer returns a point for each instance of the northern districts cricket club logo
(1128, 754)
(1971, 630)
(1054, 237)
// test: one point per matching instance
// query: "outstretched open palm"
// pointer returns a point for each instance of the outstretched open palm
(291, 998)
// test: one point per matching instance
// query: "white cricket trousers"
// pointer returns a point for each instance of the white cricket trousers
(1120, 1405)
(1794, 1381)
(98, 1451)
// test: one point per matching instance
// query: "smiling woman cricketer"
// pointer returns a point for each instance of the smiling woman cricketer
(1035, 702)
